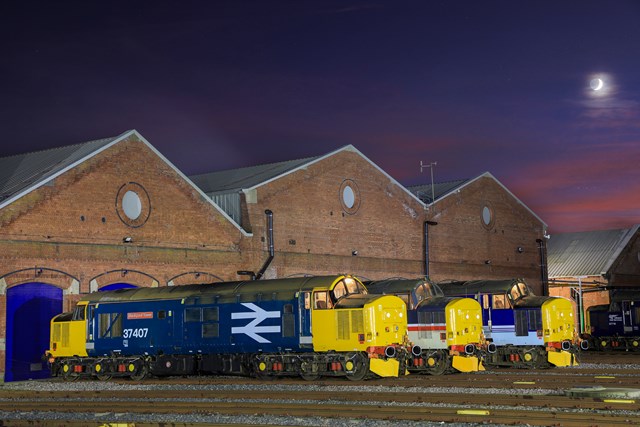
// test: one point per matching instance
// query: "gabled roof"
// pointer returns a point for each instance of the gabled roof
(24, 173)
(588, 253)
(445, 189)
(425, 193)
(21, 172)
(235, 180)
(249, 178)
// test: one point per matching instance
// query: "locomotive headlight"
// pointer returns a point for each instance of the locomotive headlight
(466, 316)
(388, 314)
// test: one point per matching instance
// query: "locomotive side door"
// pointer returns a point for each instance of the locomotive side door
(304, 311)
(627, 319)
(91, 327)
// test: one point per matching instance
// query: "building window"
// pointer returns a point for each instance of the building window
(487, 216)
(349, 196)
(133, 205)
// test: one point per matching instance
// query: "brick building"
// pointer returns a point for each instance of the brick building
(590, 266)
(477, 229)
(116, 213)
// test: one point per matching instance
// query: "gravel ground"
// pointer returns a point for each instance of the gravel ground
(48, 385)
(45, 386)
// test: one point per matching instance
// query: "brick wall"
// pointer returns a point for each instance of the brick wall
(316, 234)
(462, 247)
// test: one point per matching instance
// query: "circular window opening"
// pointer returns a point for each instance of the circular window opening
(348, 197)
(131, 205)
(487, 217)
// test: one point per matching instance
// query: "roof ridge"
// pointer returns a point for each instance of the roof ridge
(255, 166)
(439, 182)
(57, 148)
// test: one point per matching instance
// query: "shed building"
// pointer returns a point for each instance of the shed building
(587, 267)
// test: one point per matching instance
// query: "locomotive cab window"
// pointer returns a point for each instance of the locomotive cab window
(518, 291)
(321, 300)
(347, 286)
(500, 301)
(485, 302)
(405, 298)
(78, 312)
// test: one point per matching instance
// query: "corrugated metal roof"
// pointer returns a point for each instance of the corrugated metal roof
(235, 180)
(589, 253)
(22, 171)
(423, 192)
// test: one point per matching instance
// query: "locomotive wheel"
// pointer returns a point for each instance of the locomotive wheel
(100, 372)
(306, 372)
(438, 362)
(540, 359)
(138, 372)
(67, 372)
(358, 364)
(309, 377)
(261, 369)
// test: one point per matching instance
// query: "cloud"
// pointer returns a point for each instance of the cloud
(594, 187)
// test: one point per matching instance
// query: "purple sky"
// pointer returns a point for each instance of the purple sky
(500, 86)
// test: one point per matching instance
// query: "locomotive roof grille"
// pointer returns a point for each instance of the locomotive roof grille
(282, 289)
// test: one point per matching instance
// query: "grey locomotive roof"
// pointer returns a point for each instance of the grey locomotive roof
(472, 287)
(397, 285)
(589, 253)
(284, 288)
(22, 171)
(238, 179)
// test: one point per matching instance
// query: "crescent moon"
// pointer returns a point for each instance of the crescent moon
(596, 84)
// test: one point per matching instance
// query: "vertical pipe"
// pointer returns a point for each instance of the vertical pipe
(270, 243)
(426, 246)
(543, 266)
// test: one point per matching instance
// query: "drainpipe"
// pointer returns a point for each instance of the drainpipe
(270, 242)
(542, 249)
(426, 246)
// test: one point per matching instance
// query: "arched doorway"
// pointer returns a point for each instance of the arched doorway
(30, 308)
(116, 286)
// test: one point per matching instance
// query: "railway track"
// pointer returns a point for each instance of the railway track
(510, 397)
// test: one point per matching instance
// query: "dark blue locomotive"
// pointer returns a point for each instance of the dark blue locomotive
(309, 326)
(615, 326)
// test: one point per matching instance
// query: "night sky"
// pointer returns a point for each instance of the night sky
(544, 95)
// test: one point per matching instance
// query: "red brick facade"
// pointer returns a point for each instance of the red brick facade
(463, 247)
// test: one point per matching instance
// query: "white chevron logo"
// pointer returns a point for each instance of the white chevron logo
(252, 329)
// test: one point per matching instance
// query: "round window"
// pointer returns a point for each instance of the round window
(131, 205)
(487, 216)
(349, 196)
